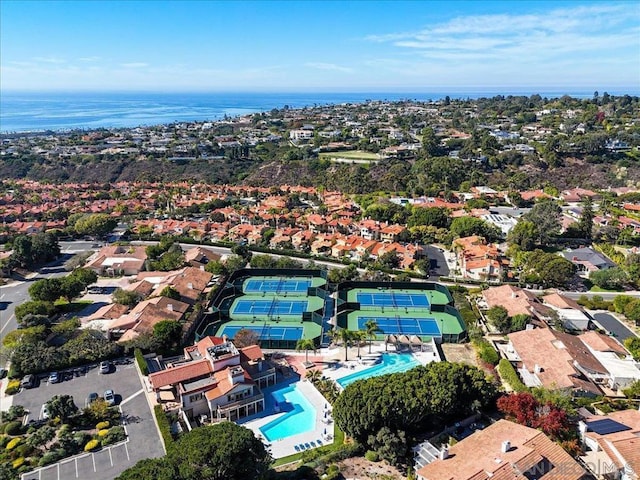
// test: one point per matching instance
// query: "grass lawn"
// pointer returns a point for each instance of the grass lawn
(350, 154)
(338, 440)
(596, 289)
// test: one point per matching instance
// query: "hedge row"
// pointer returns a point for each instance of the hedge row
(142, 363)
(165, 427)
(509, 375)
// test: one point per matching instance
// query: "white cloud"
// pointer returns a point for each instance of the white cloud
(592, 32)
(328, 66)
(134, 65)
(88, 59)
(55, 60)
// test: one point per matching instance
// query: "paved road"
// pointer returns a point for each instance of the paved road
(16, 293)
(604, 295)
(613, 325)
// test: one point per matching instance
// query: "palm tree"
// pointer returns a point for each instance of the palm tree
(345, 336)
(306, 344)
(371, 328)
(313, 376)
(358, 337)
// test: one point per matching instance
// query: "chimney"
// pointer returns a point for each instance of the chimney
(513, 295)
(236, 375)
(170, 307)
(444, 452)
(202, 267)
(190, 286)
(537, 368)
(506, 446)
(224, 338)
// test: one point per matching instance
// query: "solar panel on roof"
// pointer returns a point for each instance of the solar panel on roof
(606, 426)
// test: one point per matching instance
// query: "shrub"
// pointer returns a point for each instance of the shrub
(12, 387)
(372, 456)
(17, 463)
(509, 375)
(13, 428)
(24, 450)
(13, 443)
(91, 445)
(102, 425)
(115, 434)
(142, 363)
(50, 457)
(486, 352)
(81, 438)
(4, 440)
(103, 432)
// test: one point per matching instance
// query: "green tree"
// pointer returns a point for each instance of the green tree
(224, 451)
(524, 234)
(168, 334)
(84, 275)
(610, 278)
(499, 318)
(126, 297)
(96, 225)
(545, 215)
(155, 468)
(170, 292)
(305, 344)
(62, 407)
(519, 322)
(34, 307)
(46, 289)
(632, 310)
(633, 345)
(468, 226)
(620, 302)
(633, 390)
(216, 267)
(434, 216)
(585, 224)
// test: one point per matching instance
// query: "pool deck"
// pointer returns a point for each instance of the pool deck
(330, 361)
(311, 439)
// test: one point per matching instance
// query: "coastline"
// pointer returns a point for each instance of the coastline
(37, 112)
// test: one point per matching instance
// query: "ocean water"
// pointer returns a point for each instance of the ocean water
(21, 112)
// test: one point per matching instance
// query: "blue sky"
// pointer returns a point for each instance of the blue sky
(316, 45)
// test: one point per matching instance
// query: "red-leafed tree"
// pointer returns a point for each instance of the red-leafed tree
(522, 407)
(526, 410)
(553, 421)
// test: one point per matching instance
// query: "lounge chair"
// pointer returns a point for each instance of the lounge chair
(319, 441)
(306, 445)
(297, 447)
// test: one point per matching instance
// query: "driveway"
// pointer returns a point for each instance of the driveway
(143, 438)
(613, 325)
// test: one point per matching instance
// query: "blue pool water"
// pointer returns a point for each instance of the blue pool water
(389, 363)
(300, 415)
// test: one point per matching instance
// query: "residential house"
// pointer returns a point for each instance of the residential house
(145, 315)
(570, 313)
(516, 301)
(621, 368)
(118, 260)
(215, 379)
(588, 260)
(199, 256)
(504, 450)
(477, 260)
(556, 360)
(391, 233)
(612, 444)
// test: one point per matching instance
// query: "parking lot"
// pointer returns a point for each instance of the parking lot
(143, 438)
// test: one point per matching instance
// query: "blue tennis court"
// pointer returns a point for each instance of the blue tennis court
(270, 307)
(275, 285)
(391, 299)
(403, 326)
(265, 332)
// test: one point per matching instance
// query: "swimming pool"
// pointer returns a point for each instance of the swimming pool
(299, 416)
(389, 363)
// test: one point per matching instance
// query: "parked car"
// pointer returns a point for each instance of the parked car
(110, 397)
(45, 412)
(54, 377)
(105, 367)
(28, 381)
(93, 396)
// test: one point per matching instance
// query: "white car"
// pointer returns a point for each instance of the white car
(110, 397)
